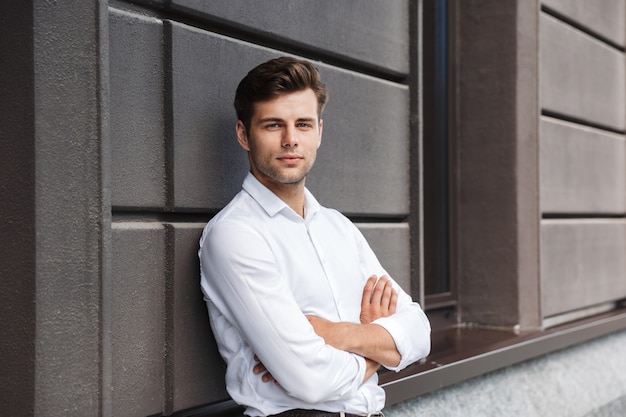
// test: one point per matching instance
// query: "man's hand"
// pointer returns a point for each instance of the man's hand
(371, 341)
(379, 299)
(259, 368)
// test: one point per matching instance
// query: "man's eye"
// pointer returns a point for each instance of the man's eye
(304, 125)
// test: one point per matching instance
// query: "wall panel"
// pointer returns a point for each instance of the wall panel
(374, 32)
(582, 263)
(362, 166)
(583, 170)
(605, 18)
(136, 120)
(197, 369)
(581, 77)
(495, 207)
(365, 142)
(209, 165)
(137, 319)
(71, 203)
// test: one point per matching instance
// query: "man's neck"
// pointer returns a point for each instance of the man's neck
(291, 194)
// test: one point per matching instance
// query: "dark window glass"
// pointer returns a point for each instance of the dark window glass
(439, 279)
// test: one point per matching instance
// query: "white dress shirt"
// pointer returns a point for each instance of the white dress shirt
(263, 268)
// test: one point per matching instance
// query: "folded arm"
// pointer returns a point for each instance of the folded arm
(366, 339)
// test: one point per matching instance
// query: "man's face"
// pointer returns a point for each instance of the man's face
(283, 138)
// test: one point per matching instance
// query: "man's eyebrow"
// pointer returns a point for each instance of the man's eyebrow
(271, 119)
(278, 119)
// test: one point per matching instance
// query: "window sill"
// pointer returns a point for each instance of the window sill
(462, 353)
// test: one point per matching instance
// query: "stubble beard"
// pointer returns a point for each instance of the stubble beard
(284, 175)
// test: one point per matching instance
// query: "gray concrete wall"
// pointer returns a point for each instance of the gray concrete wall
(494, 163)
(174, 67)
(119, 145)
(582, 154)
(588, 380)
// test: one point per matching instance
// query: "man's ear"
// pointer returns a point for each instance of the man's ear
(242, 135)
(319, 139)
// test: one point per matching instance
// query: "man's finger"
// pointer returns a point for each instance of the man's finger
(386, 297)
(379, 290)
(367, 291)
(259, 368)
(393, 303)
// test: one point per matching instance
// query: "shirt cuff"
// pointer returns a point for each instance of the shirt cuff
(362, 368)
(399, 336)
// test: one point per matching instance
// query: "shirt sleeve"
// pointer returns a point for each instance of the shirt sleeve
(409, 327)
(239, 274)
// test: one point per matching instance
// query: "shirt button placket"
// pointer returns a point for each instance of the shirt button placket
(319, 250)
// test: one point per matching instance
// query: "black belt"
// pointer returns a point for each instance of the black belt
(318, 413)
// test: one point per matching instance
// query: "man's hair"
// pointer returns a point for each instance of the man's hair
(273, 78)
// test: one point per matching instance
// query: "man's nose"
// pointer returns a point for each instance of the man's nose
(290, 138)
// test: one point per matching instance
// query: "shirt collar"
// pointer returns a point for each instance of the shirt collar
(271, 203)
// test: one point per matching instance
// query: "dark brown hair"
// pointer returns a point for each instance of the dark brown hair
(275, 77)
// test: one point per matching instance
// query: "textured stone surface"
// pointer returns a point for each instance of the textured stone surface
(581, 77)
(362, 166)
(576, 382)
(137, 319)
(582, 263)
(615, 408)
(363, 161)
(137, 124)
(209, 165)
(71, 204)
(605, 18)
(114, 326)
(375, 32)
(495, 163)
(583, 170)
(197, 369)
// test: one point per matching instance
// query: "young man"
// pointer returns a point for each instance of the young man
(302, 311)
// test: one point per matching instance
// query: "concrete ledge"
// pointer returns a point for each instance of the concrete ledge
(567, 383)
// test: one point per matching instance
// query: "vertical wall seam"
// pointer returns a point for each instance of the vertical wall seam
(168, 320)
(103, 97)
(168, 118)
(168, 115)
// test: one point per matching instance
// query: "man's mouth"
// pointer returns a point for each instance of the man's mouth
(290, 158)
